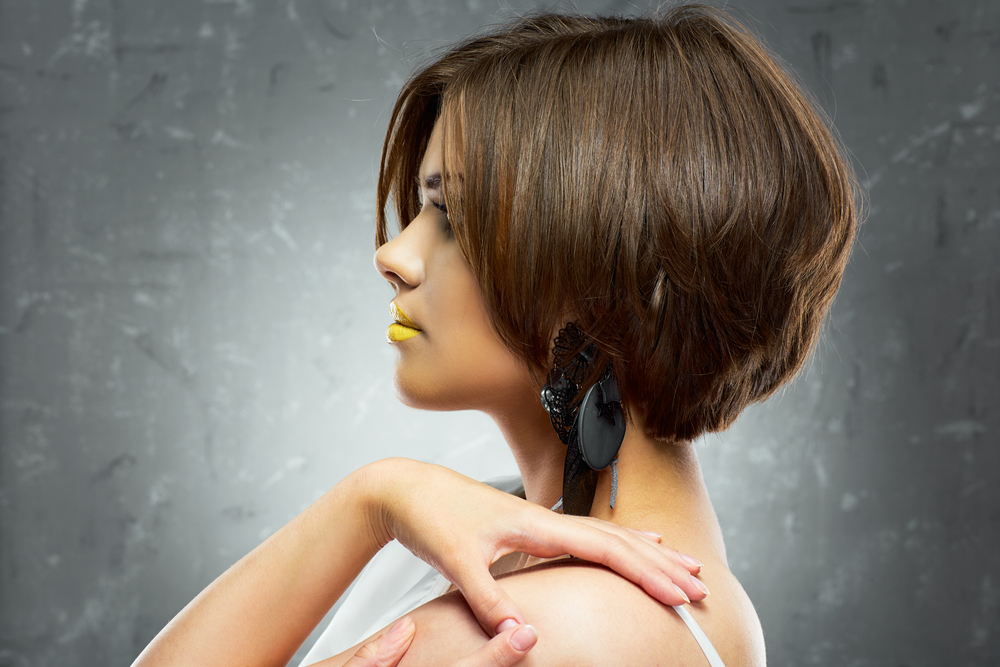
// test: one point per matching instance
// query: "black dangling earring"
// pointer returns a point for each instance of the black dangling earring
(600, 427)
(593, 434)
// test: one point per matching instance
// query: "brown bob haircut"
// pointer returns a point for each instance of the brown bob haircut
(659, 180)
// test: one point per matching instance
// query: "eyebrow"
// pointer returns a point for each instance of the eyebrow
(430, 182)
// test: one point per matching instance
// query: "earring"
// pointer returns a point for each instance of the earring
(600, 427)
(591, 429)
(600, 423)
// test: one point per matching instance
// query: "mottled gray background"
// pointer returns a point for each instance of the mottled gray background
(191, 332)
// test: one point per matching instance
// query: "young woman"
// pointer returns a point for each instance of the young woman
(642, 220)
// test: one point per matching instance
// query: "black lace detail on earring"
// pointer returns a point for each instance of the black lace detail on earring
(592, 428)
(572, 361)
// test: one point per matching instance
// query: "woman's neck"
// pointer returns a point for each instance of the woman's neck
(660, 486)
(536, 448)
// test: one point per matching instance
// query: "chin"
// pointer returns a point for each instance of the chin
(423, 395)
(444, 392)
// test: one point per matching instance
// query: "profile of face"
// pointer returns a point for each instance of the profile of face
(448, 355)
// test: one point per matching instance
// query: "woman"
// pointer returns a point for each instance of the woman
(643, 220)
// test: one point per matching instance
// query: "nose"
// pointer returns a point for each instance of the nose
(400, 261)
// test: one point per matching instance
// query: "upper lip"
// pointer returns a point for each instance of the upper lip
(400, 317)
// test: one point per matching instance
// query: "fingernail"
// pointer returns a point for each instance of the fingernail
(400, 630)
(701, 587)
(505, 624)
(648, 533)
(694, 562)
(681, 593)
(524, 638)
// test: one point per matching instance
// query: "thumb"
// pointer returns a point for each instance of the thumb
(505, 649)
(387, 649)
(492, 606)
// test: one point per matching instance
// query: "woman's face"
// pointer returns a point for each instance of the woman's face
(448, 355)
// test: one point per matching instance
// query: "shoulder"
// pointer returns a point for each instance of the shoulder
(584, 614)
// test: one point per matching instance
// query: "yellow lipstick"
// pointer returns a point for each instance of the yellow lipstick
(403, 329)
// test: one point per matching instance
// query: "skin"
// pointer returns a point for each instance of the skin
(582, 613)
(436, 288)
(259, 611)
(387, 649)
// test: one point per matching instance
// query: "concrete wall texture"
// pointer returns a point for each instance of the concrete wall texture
(191, 331)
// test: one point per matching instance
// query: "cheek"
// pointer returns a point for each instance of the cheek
(462, 364)
(463, 319)
(481, 366)
(474, 361)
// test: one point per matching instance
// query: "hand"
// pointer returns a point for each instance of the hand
(461, 527)
(387, 649)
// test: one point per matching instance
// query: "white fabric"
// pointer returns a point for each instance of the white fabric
(706, 646)
(375, 601)
(393, 584)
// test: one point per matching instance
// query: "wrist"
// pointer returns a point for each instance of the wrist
(376, 487)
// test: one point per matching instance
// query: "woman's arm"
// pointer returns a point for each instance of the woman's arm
(259, 611)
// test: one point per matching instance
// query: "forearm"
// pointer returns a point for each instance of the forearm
(260, 610)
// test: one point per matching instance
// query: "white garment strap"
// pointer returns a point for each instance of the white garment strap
(699, 635)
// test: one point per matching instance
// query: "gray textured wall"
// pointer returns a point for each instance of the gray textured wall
(191, 331)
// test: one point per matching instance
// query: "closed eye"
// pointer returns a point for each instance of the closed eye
(432, 184)
(447, 218)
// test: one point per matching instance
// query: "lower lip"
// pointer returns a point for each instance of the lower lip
(397, 333)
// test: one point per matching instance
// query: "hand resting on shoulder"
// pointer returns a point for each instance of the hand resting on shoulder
(584, 615)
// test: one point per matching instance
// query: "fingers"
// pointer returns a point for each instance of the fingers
(692, 564)
(505, 649)
(387, 649)
(686, 579)
(664, 565)
(663, 573)
(493, 608)
(655, 537)
(660, 576)
(691, 588)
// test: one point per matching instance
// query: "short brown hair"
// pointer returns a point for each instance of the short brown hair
(659, 179)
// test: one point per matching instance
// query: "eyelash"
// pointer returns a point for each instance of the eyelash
(444, 209)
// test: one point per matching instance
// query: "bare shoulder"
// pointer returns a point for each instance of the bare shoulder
(588, 615)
